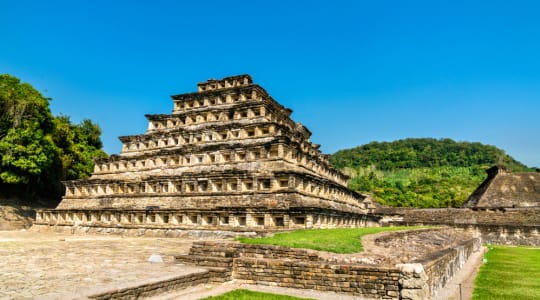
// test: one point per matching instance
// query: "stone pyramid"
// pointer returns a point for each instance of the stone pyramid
(228, 157)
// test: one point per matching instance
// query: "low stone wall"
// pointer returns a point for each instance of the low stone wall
(143, 232)
(15, 217)
(235, 250)
(350, 279)
(305, 269)
(442, 265)
(506, 226)
(495, 216)
(156, 288)
(506, 235)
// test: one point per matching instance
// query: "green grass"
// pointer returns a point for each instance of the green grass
(339, 240)
(510, 273)
(242, 294)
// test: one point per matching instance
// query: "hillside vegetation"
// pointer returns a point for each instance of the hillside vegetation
(37, 149)
(420, 172)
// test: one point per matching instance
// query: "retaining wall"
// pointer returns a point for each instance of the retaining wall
(156, 288)
(304, 269)
(144, 232)
(505, 226)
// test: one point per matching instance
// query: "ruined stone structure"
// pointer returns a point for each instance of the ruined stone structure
(504, 209)
(372, 275)
(503, 188)
(228, 157)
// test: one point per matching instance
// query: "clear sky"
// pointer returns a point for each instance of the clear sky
(352, 71)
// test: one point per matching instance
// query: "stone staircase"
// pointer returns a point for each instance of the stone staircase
(218, 259)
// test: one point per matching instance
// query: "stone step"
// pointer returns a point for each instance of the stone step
(213, 249)
(205, 261)
(219, 275)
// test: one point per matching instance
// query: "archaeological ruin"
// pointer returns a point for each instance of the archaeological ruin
(504, 188)
(228, 158)
(504, 209)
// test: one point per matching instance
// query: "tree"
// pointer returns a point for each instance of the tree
(26, 125)
(38, 150)
(79, 145)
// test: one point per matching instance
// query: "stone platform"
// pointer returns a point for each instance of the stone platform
(60, 266)
(412, 264)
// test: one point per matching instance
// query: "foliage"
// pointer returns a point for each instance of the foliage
(419, 187)
(509, 273)
(79, 144)
(38, 150)
(423, 153)
(420, 172)
(242, 294)
(337, 240)
(26, 125)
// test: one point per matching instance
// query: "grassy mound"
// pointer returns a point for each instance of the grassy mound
(338, 240)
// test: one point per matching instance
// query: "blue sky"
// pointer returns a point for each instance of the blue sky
(352, 71)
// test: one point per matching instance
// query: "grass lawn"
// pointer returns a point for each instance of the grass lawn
(338, 240)
(510, 273)
(242, 294)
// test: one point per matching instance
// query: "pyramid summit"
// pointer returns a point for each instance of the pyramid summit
(228, 157)
(504, 188)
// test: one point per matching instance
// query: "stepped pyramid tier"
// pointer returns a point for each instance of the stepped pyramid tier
(504, 188)
(227, 157)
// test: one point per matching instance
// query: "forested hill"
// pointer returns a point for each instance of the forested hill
(421, 153)
(422, 172)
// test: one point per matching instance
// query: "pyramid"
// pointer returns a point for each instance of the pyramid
(503, 188)
(228, 157)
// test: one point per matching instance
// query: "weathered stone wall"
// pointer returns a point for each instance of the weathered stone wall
(507, 226)
(15, 217)
(502, 216)
(306, 269)
(156, 288)
(350, 279)
(144, 232)
(294, 268)
(276, 200)
(506, 235)
(235, 250)
(441, 266)
(170, 222)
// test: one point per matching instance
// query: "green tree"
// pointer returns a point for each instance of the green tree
(26, 126)
(38, 150)
(79, 145)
